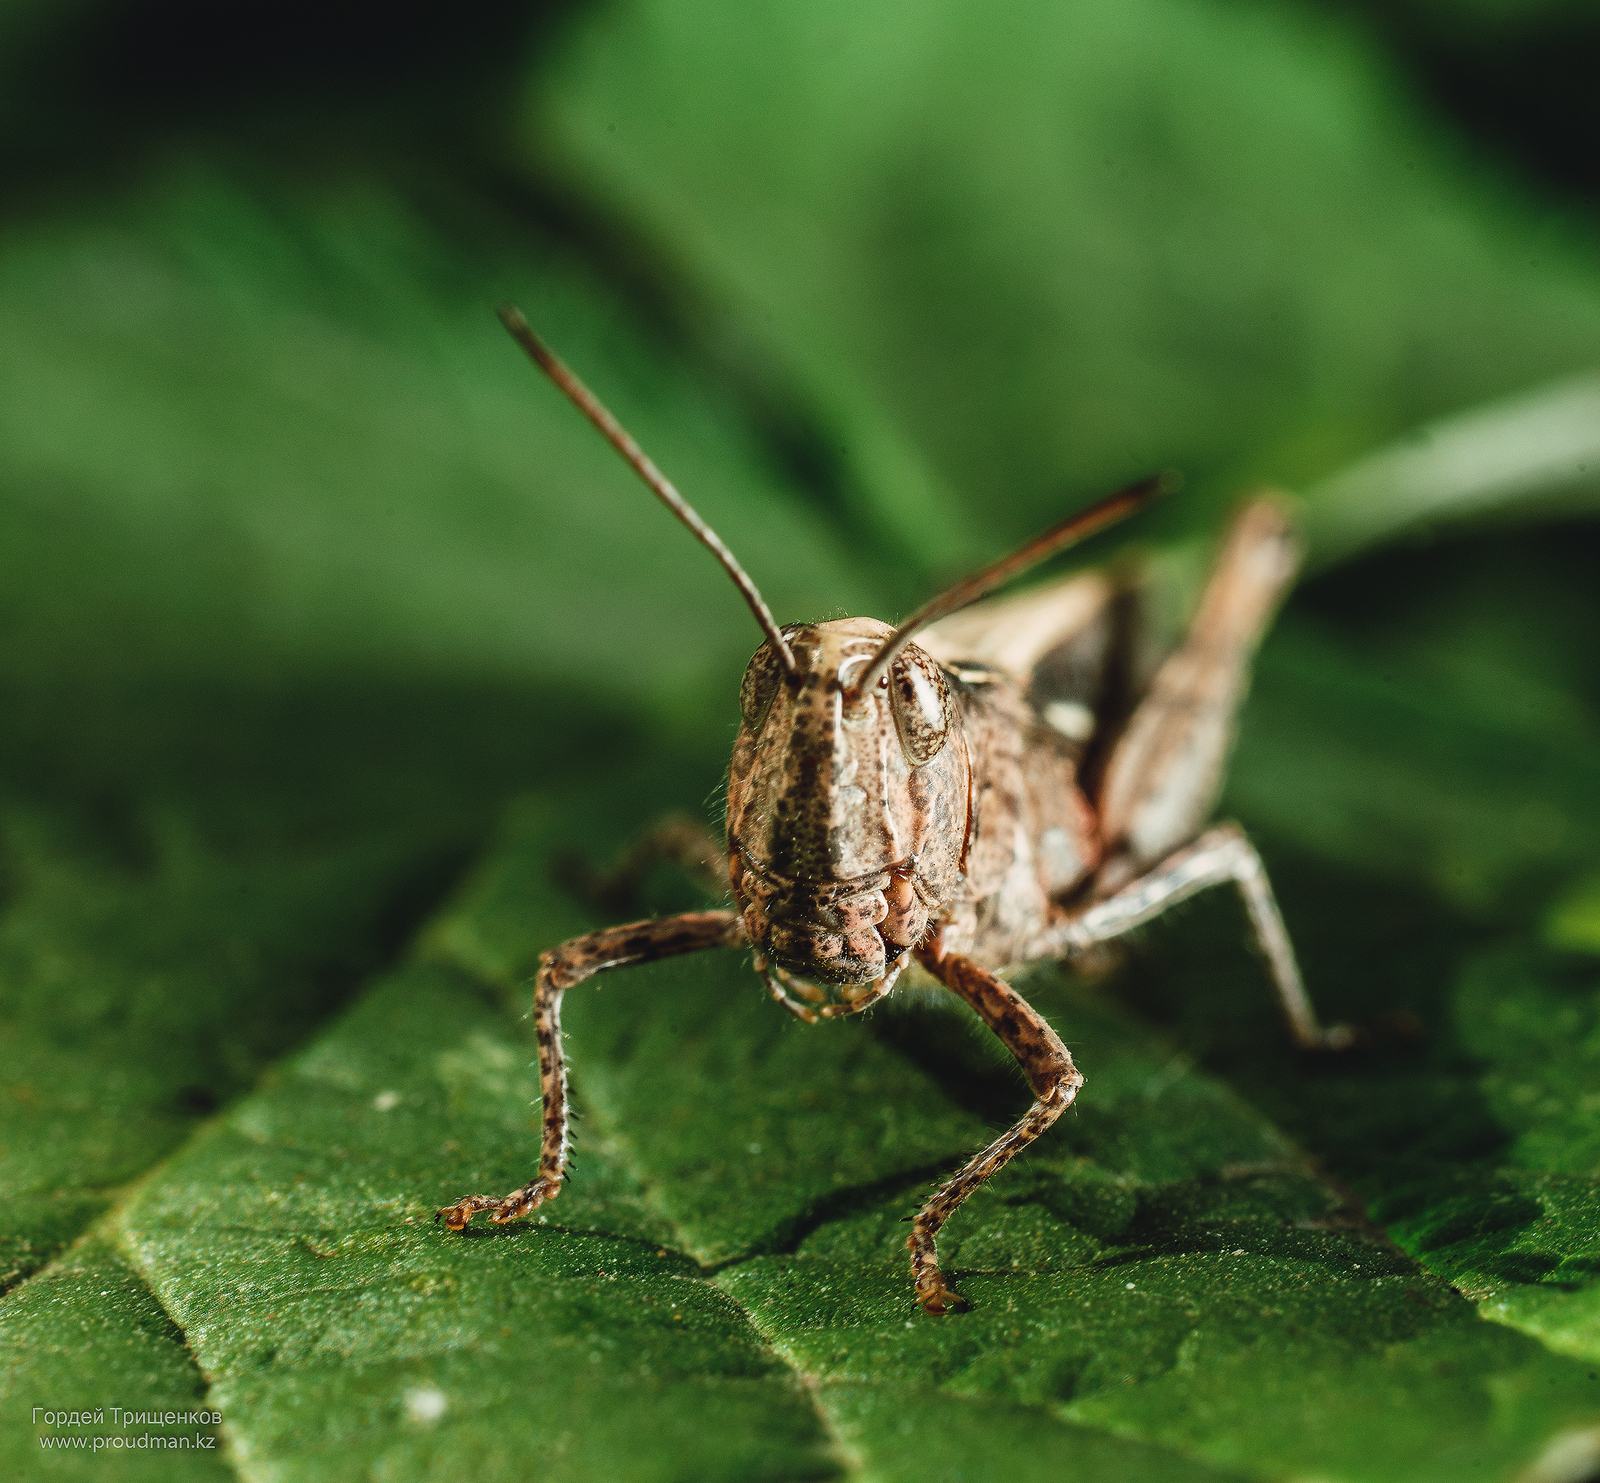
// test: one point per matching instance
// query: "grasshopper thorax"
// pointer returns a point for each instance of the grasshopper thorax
(847, 811)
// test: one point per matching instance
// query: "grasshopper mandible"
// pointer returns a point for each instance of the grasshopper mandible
(969, 801)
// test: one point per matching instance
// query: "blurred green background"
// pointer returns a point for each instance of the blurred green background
(307, 578)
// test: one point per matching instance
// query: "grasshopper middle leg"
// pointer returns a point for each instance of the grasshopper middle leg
(559, 970)
(677, 839)
(1055, 1081)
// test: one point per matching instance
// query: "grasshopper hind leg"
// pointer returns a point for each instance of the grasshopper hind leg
(1219, 856)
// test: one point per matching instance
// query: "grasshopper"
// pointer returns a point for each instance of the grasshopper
(977, 799)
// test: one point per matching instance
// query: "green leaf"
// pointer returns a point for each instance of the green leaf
(1164, 1272)
(136, 1001)
(1411, 780)
(284, 510)
(340, 1328)
(248, 430)
(88, 1336)
(1527, 1248)
(1573, 922)
(274, 642)
(1463, 1125)
(1424, 782)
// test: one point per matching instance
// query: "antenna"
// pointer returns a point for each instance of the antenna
(1069, 532)
(614, 433)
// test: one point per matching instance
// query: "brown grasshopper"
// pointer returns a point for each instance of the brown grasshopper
(971, 801)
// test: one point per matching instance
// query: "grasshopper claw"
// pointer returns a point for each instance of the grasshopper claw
(514, 1206)
(938, 1300)
(456, 1217)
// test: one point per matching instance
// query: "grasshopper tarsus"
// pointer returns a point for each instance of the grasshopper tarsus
(1009, 787)
(519, 1202)
(941, 1300)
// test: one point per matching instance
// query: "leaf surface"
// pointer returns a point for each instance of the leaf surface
(89, 1336)
(1165, 1271)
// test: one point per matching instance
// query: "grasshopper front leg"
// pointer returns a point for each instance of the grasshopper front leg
(1050, 1072)
(559, 970)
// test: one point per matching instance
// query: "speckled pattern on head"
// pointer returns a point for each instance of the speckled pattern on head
(842, 847)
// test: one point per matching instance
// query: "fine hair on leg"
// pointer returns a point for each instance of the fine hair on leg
(559, 970)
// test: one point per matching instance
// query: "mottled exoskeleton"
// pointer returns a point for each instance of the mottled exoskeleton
(1008, 788)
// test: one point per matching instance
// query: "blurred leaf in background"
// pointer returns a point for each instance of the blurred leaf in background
(325, 627)
(1023, 257)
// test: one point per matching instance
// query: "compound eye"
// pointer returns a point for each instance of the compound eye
(760, 684)
(921, 703)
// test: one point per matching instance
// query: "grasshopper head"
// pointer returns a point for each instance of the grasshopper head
(847, 812)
